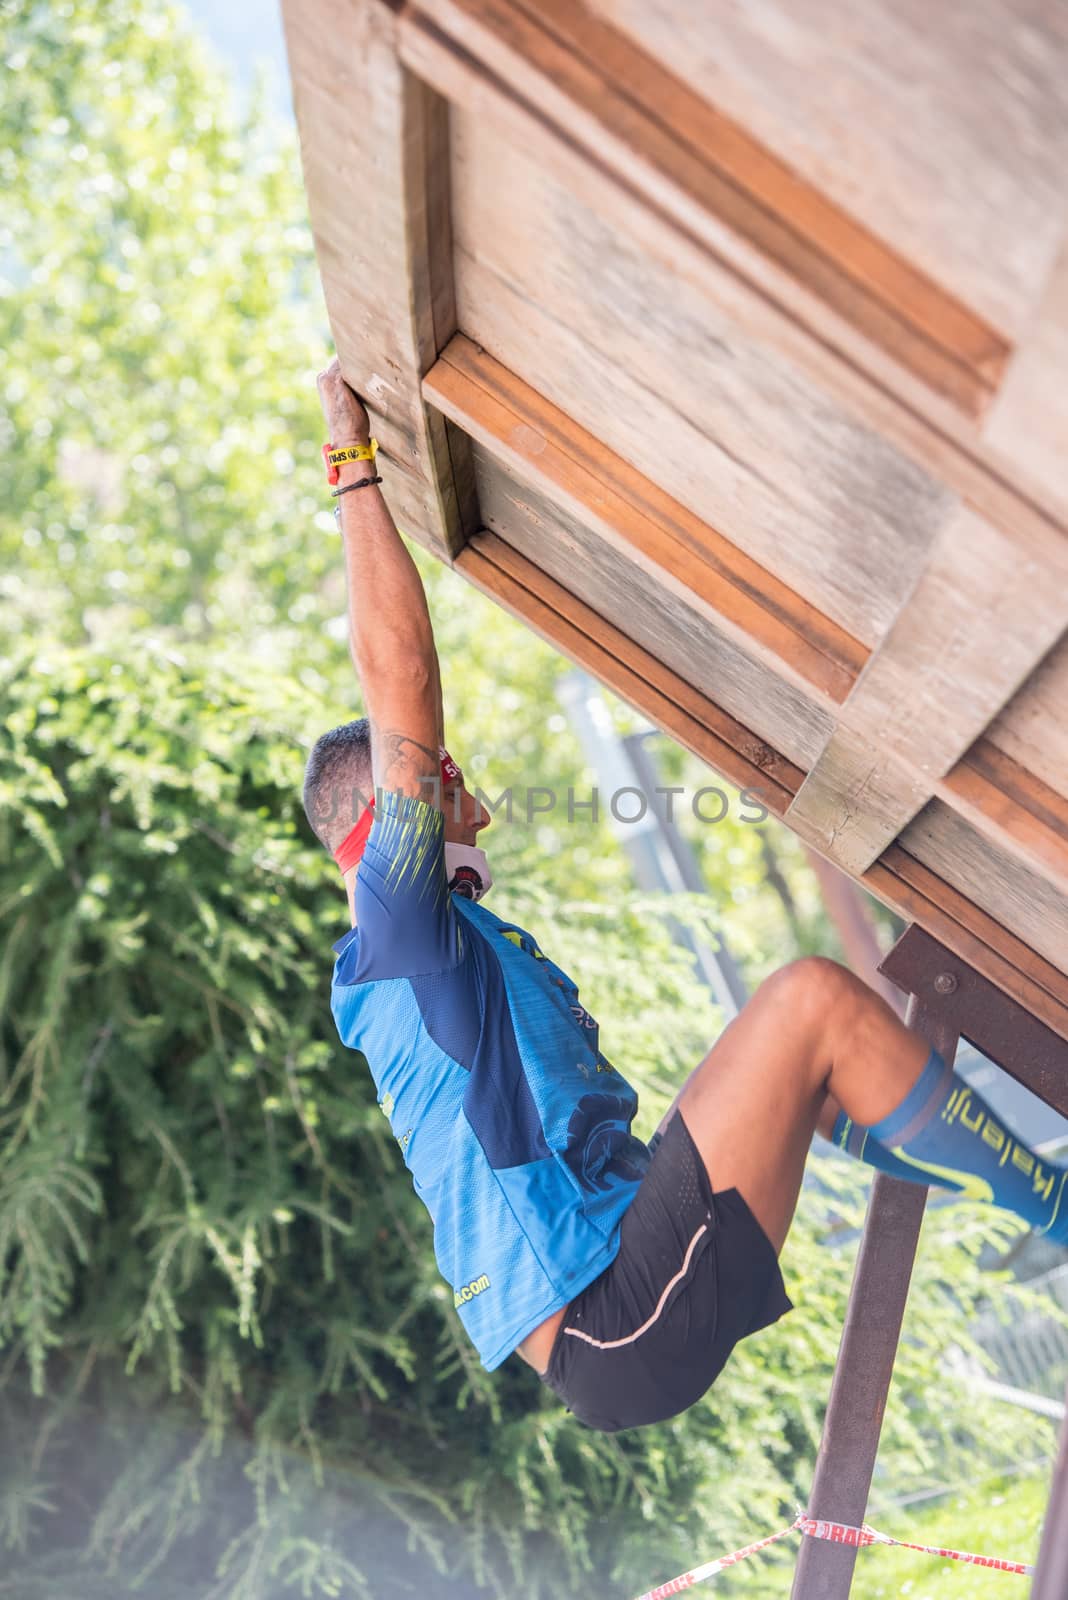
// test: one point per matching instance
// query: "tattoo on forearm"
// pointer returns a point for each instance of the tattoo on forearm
(403, 764)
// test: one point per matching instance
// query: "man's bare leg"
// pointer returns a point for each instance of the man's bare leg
(828, 1117)
(812, 1036)
(813, 1030)
(815, 1039)
(752, 1104)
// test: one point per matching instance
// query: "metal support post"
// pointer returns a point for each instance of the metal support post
(1051, 1572)
(865, 1364)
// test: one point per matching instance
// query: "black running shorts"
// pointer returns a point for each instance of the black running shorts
(694, 1274)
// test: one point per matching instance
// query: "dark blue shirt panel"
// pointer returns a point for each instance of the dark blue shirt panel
(404, 915)
(466, 1012)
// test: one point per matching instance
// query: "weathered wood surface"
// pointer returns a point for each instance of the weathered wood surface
(1012, 809)
(944, 129)
(899, 879)
(1028, 423)
(1026, 903)
(1032, 727)
(731, 359)
(981, 617)
(714, 618)
(613, 98)
(672, 378)
(671, 631)
(610, 654)
(766, 303)
(655, 534)
(374, 148)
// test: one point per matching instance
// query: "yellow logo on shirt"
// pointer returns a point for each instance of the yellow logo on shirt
(470, 1290)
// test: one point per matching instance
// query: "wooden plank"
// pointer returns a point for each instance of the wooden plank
(669, 378)
(1026, 903)
(787, 217)
(374, 146)
(1019, 816)
(1028, 424)
(845, 529)
(898, 879)
(661, 623)
(612, 100)
(944, 129)
(1032, 730)
(642, 524)
(406, 495)
(980, 619)
(617, 509)
(1013, 809)
(760, 305)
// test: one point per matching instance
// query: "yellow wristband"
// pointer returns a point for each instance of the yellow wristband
(353, 452)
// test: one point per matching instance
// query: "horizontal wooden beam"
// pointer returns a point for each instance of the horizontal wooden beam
(897, 879)
(651, 531)
(625, 111)
(1013, 809)
(1009, 892)
(631, 672)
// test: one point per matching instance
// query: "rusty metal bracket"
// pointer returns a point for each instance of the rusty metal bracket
(985, 1015)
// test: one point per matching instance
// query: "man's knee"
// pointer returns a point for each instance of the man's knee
(815, 979)
(814, 995)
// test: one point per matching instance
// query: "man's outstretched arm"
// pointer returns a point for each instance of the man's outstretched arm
(390, 634)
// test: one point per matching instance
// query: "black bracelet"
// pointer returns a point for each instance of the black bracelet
(359, 484)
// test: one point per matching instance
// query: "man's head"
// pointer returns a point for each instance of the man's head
(338, 781)
(339, 785)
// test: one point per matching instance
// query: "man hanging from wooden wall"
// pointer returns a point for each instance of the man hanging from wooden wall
(624, 1273)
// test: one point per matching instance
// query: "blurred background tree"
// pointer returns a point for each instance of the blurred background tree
(227, 1363)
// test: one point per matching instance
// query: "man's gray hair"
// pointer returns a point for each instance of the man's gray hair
(338, 781)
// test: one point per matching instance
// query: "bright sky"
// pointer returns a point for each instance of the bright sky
(245, 35)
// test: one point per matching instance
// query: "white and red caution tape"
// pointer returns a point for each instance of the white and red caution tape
(838, 1533)
(686, 1580)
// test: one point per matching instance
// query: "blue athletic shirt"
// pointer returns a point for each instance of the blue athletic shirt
(514, 1126)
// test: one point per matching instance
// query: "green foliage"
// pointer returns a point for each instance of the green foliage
(991, 1516)
(159, 322)
(196, 1184)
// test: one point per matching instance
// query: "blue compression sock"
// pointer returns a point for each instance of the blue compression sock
(945, 1134)
(856, 1140)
